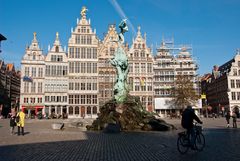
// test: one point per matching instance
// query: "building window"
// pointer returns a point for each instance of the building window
(83, 29)
(83, 53)
(89, 86)
(83, 67)
(136, 67)
(89, 68)
(238, 96)
(77, 67)
(77, 99)
(142, 54)
(94, 53)
(53, 58)
(71, 67)
(77, 52)
(39, 87)
(233, 96)
(149, 68)
(234, 72)
(77, 39)
(25, 100)
(83, 99)
(53, 70)
(71, 52)
(112, 51)
(70, 110)
(33, 87)
(34, 72)
(26, 87)
(83, 86)
(144, 101)
(137, 88)
(94, 110)
(77, 86)
(70, 99)
(52, 98)
(238, 83)
(46, 98)
(143, 68)
(83, 39)
(40, 72)
(232, 83)
(89, 54)
(89, 39)
(94, 99)
(150, 100)
(130, 67)
(88, 99)
(26, 71)
(58, 98)
(94, 67)
(71, 86)
(77, 110)
(88, 110)
(39, 100)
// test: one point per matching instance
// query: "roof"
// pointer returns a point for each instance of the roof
(10, 67)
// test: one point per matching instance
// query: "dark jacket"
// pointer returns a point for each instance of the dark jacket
(228, 116)
(12, 121)
(188, 116)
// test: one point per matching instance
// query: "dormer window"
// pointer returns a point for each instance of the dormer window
(34, 56)
(139, 46)
(57, 49)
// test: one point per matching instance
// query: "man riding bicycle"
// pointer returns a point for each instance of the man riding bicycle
(188, 116)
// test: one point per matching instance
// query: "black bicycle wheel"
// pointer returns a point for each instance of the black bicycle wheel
(183, 144)
(200, 142)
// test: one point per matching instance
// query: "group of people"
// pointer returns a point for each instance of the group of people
(234, 119)
(17, 120)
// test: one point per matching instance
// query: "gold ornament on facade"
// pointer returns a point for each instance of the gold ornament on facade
(84, 11)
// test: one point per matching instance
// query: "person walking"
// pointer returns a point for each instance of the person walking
(12, 123)
(20, 121)
(234, 116)
(227, 116)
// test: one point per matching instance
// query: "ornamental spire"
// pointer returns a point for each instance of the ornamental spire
(84, 12)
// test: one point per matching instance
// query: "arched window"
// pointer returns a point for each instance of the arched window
(70, 110)
(77, 110)
(88, 110)
(94, 110)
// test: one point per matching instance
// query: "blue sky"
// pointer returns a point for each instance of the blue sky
(212, 27)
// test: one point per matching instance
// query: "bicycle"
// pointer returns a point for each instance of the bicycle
(183, 142)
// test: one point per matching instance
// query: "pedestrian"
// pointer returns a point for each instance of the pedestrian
(228, 118)
(188, 116)
(234, 116)
(20, 121)
(12, 123)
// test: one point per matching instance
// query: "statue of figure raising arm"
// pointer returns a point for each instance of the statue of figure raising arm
(120, 62)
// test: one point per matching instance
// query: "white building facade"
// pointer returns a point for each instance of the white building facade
(32, 81)
(83, 70)
(140, 77)
(167, 66)
(56, 81)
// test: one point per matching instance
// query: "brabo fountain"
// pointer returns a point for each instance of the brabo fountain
(125, 112)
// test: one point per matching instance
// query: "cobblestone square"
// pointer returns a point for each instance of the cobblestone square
(42, 143)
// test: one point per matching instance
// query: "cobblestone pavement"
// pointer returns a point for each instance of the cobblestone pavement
(42, 143)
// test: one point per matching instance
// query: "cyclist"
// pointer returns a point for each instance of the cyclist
(188, 116)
